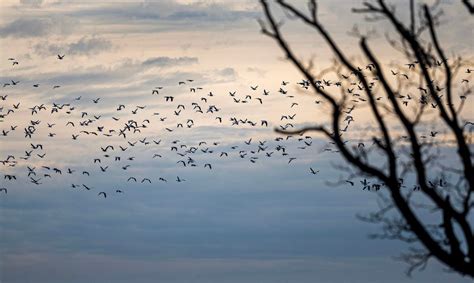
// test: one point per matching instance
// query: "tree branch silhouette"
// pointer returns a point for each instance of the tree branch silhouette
(469, 6)
(451, 240)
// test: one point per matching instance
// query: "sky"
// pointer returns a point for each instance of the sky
(262, 219)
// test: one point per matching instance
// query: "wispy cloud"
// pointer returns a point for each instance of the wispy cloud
(33, 3)
(168, 61)
(167, 11)
(84, 46)
(37, 27)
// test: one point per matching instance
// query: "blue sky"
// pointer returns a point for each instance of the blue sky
(267, 221)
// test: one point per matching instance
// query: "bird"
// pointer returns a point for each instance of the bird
(35, 181)
(9, 177)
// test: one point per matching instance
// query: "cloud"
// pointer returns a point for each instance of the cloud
(167, 12)
(168, 61)
(227, 72)
(84, 46)
(87, 46)
(210, 14)
(37, 27)
(26, 28)
(33, 3)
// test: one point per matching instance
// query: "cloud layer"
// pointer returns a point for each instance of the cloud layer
(37, 27)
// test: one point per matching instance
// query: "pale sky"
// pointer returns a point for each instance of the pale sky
(242, 221)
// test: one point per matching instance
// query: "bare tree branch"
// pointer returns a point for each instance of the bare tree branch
(413, 152)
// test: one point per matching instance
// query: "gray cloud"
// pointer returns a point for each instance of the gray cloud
(26, 28)
(227, 72)
(89, 46)
(84, 46)
(37, 27)
(167, 11)
(169, 61)
(210, 13)
(34, 3)
(126, 77)
(145, 16)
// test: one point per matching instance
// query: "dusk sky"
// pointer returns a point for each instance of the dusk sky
(255, 216)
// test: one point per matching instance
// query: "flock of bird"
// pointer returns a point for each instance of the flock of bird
(123, 136)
